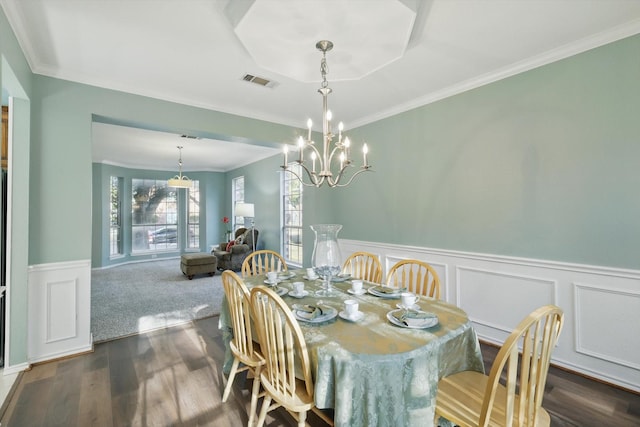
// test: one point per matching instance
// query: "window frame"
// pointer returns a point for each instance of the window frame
(292, 252)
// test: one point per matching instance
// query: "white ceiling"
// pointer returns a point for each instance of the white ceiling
(389, 56)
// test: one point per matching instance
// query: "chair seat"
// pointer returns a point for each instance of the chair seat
(460, 398)
(300, 402)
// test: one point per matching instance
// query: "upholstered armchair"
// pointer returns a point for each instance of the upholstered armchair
(232, 259)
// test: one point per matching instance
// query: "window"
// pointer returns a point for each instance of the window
(237, 197)
(292, 215)
(154, 216)
(193, 215)
(115, 217)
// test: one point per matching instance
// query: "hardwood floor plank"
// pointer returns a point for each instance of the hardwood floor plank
(66, 388)
(95, 396)
(173, 377)
(31, 404)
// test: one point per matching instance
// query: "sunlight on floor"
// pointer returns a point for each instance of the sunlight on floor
(163, 320)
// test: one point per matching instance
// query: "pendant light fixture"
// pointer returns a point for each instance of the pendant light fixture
(179, 181)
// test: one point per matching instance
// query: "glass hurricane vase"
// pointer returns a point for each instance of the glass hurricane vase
(326, 260)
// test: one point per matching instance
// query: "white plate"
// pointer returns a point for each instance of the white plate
(295, 295)
(361, 292)
(328, 314)
(280, 290)
(284, 275)
(428, 323)
(373, 291)
(311, 278)
(272, 283)
(359, 315)
(413, 307)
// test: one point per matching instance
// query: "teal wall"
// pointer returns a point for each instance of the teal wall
(211, 189)
(544, 165)
(61, 145)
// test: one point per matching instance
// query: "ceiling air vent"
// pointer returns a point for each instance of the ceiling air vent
(258, 80)
(189, 137)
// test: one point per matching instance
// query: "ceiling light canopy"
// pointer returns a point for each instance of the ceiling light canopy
(332, 156)
(179, 181)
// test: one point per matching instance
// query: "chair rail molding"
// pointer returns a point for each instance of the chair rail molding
(59, 320)
(601, 304)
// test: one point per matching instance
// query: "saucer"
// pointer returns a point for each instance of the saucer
(360, 292)
(358, 316)
(413, 307)
(311, 278)
(272, 283)
(296, 295)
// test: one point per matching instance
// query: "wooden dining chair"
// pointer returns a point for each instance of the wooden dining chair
(242, 346)
(363, 265)
(417, 276)
(473, 399)
(261, 262)
(286, 354)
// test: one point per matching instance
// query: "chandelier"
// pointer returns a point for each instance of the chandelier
(333, 157)
(179, 181)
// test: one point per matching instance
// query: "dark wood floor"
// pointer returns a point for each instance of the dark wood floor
(172, 377)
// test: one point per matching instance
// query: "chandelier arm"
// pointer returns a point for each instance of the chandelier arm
(333, 153)
(362, 169)
(314, 180)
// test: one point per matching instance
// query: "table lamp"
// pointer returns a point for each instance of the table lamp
(246, 210)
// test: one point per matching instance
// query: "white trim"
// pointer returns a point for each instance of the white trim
(56, 266)
(503, 259)
(14, 369)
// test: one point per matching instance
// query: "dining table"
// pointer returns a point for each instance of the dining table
(373, 370)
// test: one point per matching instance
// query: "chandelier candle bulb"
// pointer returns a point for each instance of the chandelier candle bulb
(365, 150)
(340, 128)
(286, 152)
(313, 159)
(301, 147)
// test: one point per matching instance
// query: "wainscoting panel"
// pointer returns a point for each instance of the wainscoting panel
(60, 310)
(601, 304)
(479, 289)
(594, 323)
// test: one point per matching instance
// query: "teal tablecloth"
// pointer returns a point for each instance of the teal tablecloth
(371, 372)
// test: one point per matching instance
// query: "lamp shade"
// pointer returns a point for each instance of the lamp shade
(245, 210)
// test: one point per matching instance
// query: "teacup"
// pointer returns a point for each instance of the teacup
(351, 307)
(311, 273)
(272, 276)
(298, 288)
(407, 299)
(356, 286)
